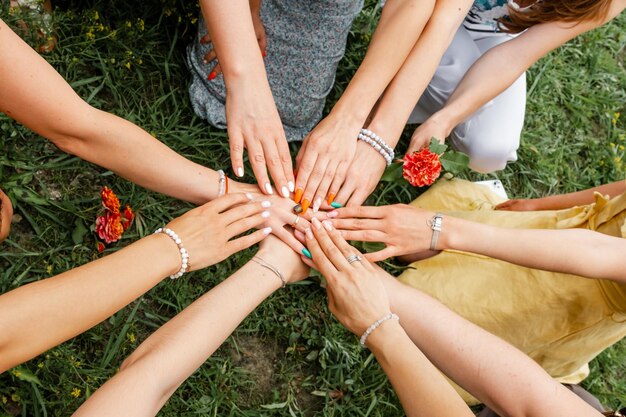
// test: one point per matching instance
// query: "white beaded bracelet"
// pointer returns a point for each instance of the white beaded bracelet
(376, 325)
(378, 144)
(184, 255)
(379, 140)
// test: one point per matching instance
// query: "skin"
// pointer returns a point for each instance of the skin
(430, 335)
(6, 212)
(178, 348)
(33, 318)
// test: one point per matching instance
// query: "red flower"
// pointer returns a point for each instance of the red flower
(110, 200)
(421, 168)
(127, 217)
(109, 227)
(100, 247)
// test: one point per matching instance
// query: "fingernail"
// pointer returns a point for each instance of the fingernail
(335, 204)
(317, 204)
(264, 54)
(298, 195)
(332, 214)
(331, 197)
(327, 225)
(240, 172)
(265, 204)
(305, 205)
(306, 252)
(204, 61)
(316, 223)
(212, 75)
(285, 192)
(291, 186)
(268, 188)
(267, 230)
(249, 196)
(265, 214)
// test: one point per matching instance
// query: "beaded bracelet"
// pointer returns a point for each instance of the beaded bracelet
(223, 183)
(378, 140)
(376, 325)
(378, 144)
(184, 255)
(271, 268)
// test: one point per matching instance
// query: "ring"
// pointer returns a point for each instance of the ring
(295, 222)
(297, 209)
(353, 258)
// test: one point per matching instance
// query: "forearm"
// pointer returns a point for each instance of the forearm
(421, 388)
(580, 198)
(35, 317)
(501, 376)
(400, 25)
(576, 251)
(178, 348)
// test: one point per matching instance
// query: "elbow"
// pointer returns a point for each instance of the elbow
(75, 136)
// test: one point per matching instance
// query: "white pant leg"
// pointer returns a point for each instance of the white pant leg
(491, 136)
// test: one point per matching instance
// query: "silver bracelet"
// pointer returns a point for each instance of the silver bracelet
(378, 140)
(184, 255)
(435, 224)
(377, 143)
(271, 268)
(376, 325)
(222, 183)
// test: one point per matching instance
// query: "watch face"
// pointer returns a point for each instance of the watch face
(6, 212)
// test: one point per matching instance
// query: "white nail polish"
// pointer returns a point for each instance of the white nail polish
(265, 204)
(284, 192)
(317, 204)
(249, 196)
(265, 214)
(291, 186)
(240, 172)
(268, 188)
(267, 230)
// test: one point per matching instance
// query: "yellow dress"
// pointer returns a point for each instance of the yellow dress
(562, 321)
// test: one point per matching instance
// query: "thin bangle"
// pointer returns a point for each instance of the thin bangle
(264, 264)
(435, 224)
(376, 325)
(221, 190)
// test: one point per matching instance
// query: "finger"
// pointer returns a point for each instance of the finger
(358, 224)
(308, 262)
(322, 189)
(358, 197)
(257, 160)
(275, 166)
(365, 212)
(505, 205)
(244, 242)
(300, 236)
(363, 235)
(245, 224)
(313, 181)
(286, 163)
(210, 56)
(236, 143)
(381, 255)
(345, 248)
(345, 192)
(328, 246)
(298, 222)
(227, 201)
(289, 239)
(205, 39)
(242, 211)
(322, 263)
(305, 168)
(217, 69)
(338, 180)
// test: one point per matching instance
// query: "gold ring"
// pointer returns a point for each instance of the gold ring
(295, 222)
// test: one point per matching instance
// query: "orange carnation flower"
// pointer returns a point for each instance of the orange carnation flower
(421, 168)
(127, 217)
(109, 227)
(110, 200)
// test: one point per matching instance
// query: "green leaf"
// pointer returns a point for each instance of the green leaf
(436, 146)
(393, 173)
(79, 232)
(24, 374)
(274, 406)
(454, 162)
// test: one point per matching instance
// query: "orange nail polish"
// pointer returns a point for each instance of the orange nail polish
(305, 205)
(212, 75)
(264, 54)
(298, 195)
(331, 197)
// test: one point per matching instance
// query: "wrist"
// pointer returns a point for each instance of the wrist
(167, 251)
(446, 118)
(287, 263)
(349, 114)
(385, 337)
(390, 133)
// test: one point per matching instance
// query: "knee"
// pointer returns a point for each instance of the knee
(489, 153)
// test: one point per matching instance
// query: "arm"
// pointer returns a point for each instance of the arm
(34, 318)
(564, 201)
(170, 355)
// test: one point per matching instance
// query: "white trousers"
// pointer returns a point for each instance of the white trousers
(490, 136)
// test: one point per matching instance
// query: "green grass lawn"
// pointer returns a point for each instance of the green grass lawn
(290, 357)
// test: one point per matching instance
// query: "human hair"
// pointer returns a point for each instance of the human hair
(543, 11)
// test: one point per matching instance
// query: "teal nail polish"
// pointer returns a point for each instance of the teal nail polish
(306, 253)
(335, 204)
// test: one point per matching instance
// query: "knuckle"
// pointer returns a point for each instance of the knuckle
(274, 161)
(259, 157)
(236, 147)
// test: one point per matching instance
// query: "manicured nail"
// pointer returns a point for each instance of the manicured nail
(317, 204)
(265, 204)
(298, 195)
(332, 214)
(316, 223)
(265, 214)
(285, 192)
(335, 204)
(331, 197)
(267, 230)
(212, 75)
(250, 197)
(291, 186)
(305, 205)
(240, 172)
(306, 252)
(268, 188)
(327, 225)
(308, 233)
(264, 54)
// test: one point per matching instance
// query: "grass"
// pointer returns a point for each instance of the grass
(290, 357)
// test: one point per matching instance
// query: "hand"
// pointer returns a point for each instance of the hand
(206, 231)
(259, 30)
(402, 228)
(531, 204)
(356, 296)
(324, 160)
(275, 252)
(434, 127)
(363, 176)
(6, 212)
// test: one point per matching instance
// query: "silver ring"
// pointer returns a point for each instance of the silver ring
(353, 258)
(295, 222)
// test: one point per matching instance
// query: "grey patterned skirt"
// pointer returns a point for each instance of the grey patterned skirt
(305, 42)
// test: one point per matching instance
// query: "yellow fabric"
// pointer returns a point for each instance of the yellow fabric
(562, 321)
